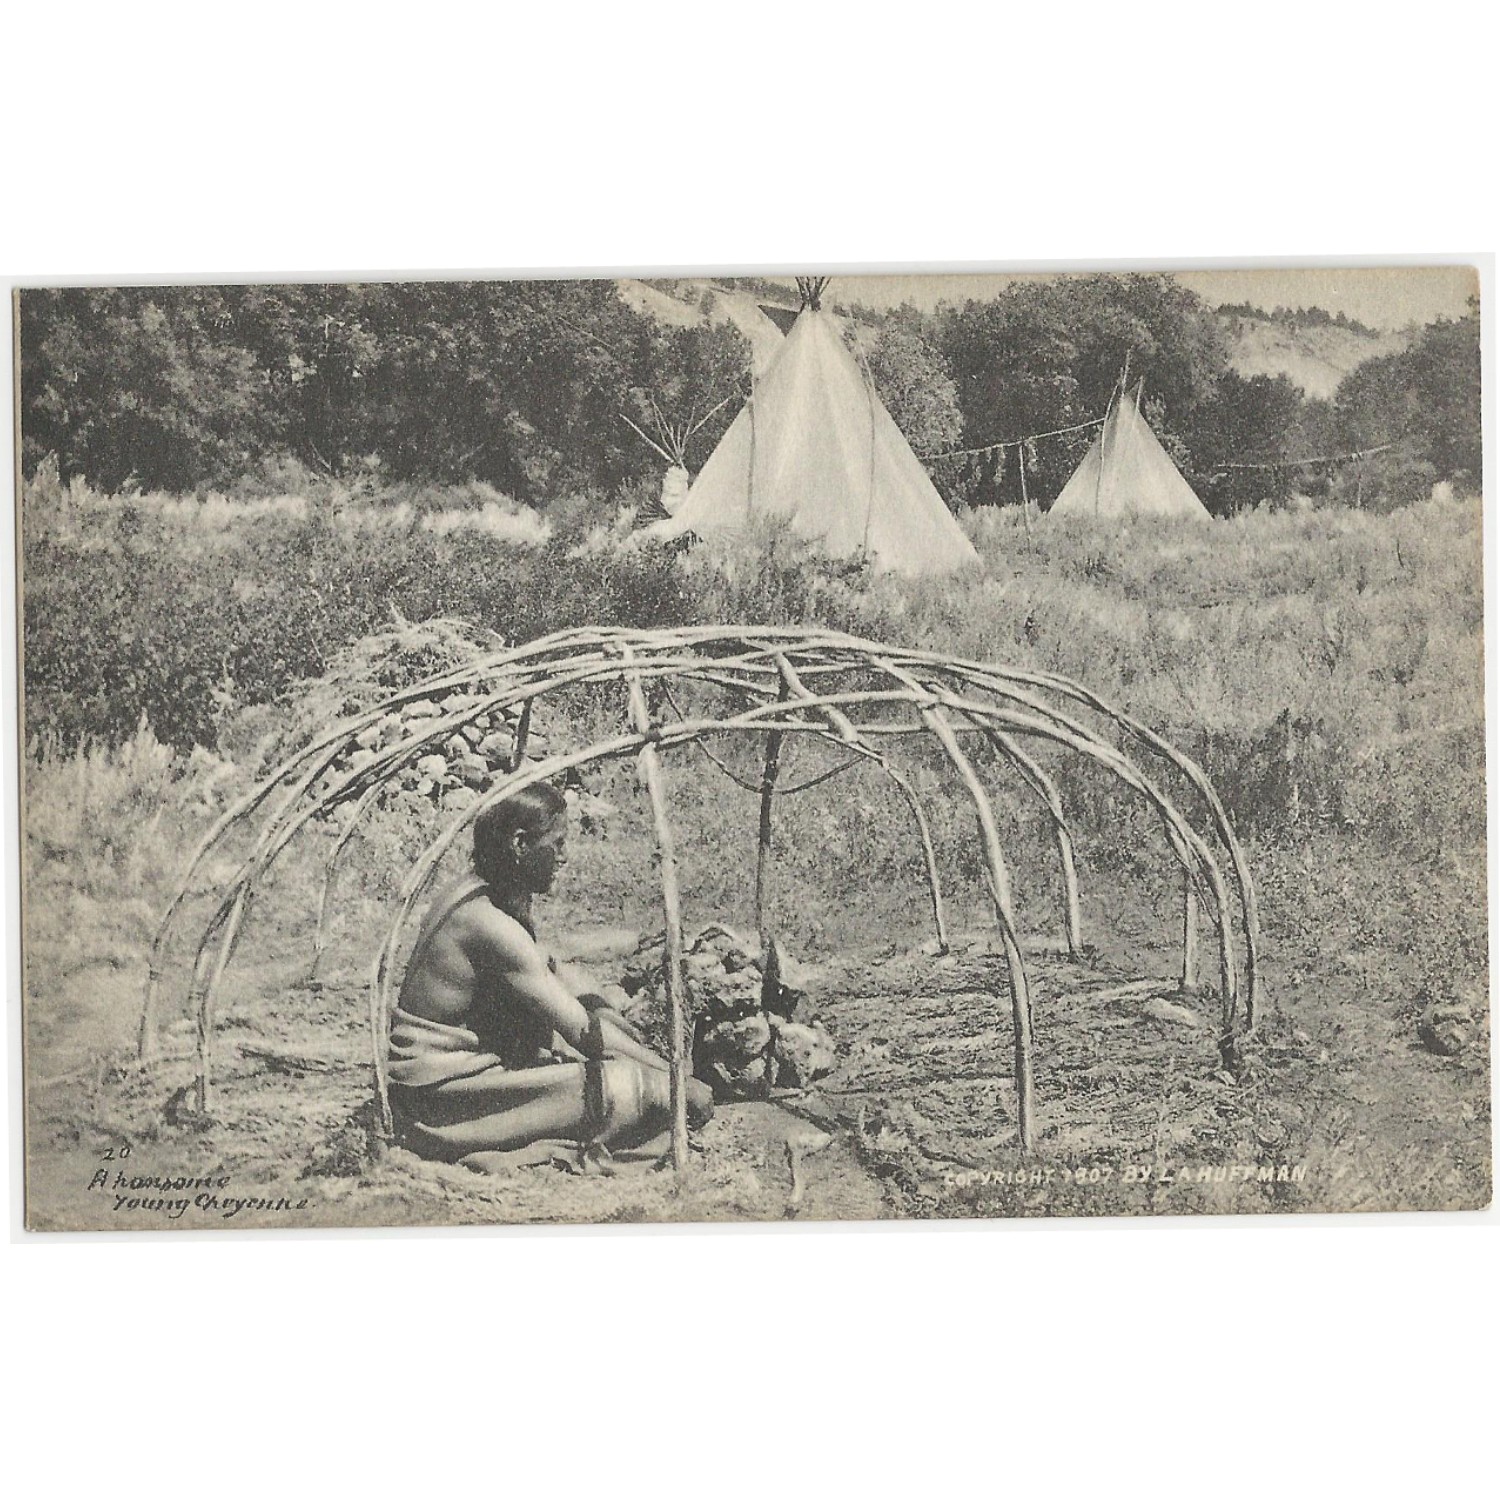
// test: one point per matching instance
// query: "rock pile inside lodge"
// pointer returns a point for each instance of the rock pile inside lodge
(752, 1032)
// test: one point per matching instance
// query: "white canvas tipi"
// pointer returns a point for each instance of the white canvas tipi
(814, 448)
(1127, 472)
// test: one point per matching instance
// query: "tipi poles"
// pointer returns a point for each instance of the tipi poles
(870, 497)
(870, 399)
(1104, 433)
(650, 764)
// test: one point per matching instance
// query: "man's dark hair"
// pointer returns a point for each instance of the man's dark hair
(532, 808)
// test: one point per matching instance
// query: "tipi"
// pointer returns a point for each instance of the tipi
(815, 448)
(1127, 472)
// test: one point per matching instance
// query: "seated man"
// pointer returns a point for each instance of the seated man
(493, 1060)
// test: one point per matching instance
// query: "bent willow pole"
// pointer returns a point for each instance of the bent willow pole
(666, 848)
(767, 683)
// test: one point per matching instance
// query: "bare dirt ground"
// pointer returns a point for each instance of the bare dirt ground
(1337, 1106)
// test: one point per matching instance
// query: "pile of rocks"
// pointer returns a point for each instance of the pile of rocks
(1446, 1026)
(747, 1040)
(455, 771)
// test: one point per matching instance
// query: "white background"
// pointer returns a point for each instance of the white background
(282, 141)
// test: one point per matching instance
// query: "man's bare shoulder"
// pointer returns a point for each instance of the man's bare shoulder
(500, 938)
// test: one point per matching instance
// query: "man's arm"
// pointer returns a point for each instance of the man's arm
(513, 961)
(620, 1043)
(523, 971)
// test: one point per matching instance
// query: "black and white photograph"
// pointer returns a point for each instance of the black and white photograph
(752, 748)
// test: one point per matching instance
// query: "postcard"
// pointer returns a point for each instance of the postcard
(752, 749)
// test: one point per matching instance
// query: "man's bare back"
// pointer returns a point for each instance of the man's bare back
(476, 966)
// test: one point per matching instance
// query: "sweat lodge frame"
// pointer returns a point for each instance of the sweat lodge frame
(791, 680)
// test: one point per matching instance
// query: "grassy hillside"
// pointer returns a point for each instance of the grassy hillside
(1314, 356)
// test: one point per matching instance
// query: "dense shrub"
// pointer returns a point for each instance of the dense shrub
(129, 613)
(1324, 667)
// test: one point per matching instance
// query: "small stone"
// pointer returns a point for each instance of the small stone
(727, 997)
(433, 766)
(719, 939)
(753, 1081)
(784, 982)
(735, 1043)
(472, 770)
(757, 1078)
(368, 738)
(1446, 1029)
(804, 1053)
(497, 748)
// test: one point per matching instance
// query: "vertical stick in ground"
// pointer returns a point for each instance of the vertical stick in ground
(650, 764)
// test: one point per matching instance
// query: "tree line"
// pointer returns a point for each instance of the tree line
(548, 388)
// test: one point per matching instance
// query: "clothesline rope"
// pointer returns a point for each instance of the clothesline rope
(1014, 442)
(1321, 458)
(1285, 463)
